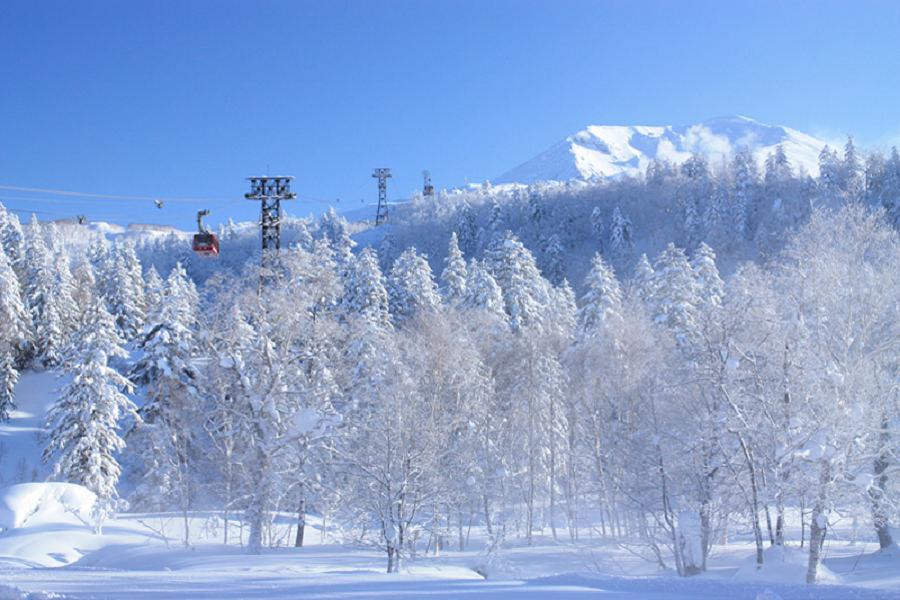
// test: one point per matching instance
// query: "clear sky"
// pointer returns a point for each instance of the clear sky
(185, 98)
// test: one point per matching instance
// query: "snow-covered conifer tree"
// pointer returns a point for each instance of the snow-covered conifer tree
(676, 294)
(125, 296)
(482, 290)
(496, 219)
(334, 229)
(643, 284)
(155, 289)
(411, 287)
(851, 171)
(621, 237)
(602, 299)
(83, 425)
(453, 277)
(365, 293)
(12, 240)
(466, 229)
(40, 295)
(554, 259)
(711, 287)
(525, 292)
(13, 334)
(597, 227)
(743, 210)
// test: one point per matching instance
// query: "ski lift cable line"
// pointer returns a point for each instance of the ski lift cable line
(18, 188)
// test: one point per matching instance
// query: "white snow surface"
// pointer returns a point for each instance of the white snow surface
(53, 503)
(599, 151)
(783, 564)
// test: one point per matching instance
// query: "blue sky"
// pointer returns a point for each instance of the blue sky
(186, 98)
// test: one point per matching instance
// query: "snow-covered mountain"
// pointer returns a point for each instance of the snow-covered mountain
(613, 150)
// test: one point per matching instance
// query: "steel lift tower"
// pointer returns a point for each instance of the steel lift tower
(382, 175)
(427, 187)
(269, 192)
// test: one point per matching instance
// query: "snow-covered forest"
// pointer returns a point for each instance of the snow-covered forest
(661, 361)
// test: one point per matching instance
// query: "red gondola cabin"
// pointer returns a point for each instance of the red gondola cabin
(206, 244)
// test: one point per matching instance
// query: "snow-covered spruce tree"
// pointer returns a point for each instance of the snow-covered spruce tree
(692, 193)
(851, 179)
(13, 313)
(597, 227)
(41, 299)
(554, 259)
(675, 294)
(154, 287)
(711, 287)
(166, 438)
(743, 213)
(496, 220)
(13, 334)
(12, 240)
(64, 288)
(643, 282)
(411, 288)
(84, 290)
(466, 229)
(102, 262)
(453, 277)
(830, 174)
(83, 424)
(125, 296)
(365, 293)
(333, 227)
(387, 251)
(621, 236)
(482, 291)
(602, 299)
(525, 292)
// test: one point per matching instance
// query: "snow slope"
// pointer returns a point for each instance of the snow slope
(614, 150)
(20, 438)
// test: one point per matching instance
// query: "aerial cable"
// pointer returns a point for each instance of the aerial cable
(17, 188)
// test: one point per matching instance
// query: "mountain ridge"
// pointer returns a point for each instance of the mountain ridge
(602, 151)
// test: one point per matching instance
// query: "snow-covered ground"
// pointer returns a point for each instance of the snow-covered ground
(48, 548)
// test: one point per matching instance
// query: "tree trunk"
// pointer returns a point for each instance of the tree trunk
(818, 524)
(877, 493)
(301, 523)
(255, 540)
(769, 525)
(754, 501)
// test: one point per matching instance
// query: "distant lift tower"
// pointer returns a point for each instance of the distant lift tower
(427, 188)
(269, 192)
(382, 175)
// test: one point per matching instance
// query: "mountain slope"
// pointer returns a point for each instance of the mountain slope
(614, 150)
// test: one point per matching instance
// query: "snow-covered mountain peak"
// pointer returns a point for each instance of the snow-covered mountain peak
(613, 150)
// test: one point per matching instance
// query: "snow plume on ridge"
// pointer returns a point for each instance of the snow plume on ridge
(600, 151)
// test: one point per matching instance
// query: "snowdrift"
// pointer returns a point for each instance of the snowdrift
(783, 564)
(34, 504)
